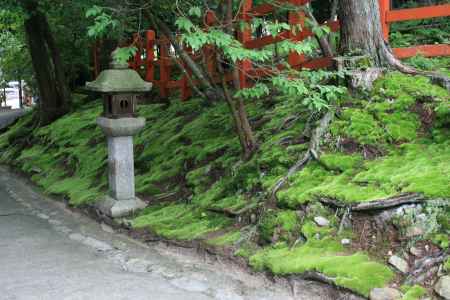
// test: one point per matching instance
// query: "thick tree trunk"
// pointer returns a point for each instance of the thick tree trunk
(361, 32)
(53, 92)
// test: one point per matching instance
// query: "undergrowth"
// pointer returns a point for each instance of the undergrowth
(188, 167)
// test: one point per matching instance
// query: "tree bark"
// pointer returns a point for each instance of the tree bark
(20, 93)
(54, 95)
(361, 32)
(247, 137)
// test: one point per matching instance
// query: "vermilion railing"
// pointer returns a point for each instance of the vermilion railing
(389, 16)
(154, 60)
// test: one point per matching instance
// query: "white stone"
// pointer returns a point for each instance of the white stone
(346, 242)
(413, 231)
(415, 251)
(106, 228)
(321, 221)
(96, 244)
(399, 263)
(136, 265)
(442, 287)
(385, 294)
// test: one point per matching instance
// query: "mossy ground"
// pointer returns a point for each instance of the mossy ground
(188, 164)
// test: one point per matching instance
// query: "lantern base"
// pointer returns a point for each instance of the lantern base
(120, 208)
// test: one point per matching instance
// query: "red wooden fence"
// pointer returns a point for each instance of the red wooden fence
(389, 16)
(154, 58)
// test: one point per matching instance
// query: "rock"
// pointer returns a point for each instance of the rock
(413, 231)
(106, 228)
(346, 242)
(385, 294)
(442, 287)
(321, 221)
(416, 251)
(399, 263)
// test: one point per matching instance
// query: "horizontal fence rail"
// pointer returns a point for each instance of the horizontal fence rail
(156, 59)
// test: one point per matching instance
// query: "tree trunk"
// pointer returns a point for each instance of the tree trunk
(20, 93)
(53, 92)
(361, 32)
(245, 131)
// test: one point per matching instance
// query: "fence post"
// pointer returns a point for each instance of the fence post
(150, 55)
(385, 7)
(164, 67)
(296, 18)
(245, 36)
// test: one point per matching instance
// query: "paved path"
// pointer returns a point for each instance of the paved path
(48, 252)
(8, 117)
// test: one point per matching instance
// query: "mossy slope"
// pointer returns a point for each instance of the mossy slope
(393, 141)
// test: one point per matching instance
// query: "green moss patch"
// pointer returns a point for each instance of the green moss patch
(356, 272)
(180, 221)
(413, 292)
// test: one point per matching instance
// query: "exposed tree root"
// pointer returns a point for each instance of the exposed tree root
(311, 153)
(422, 268)
(381, 204)
(436, 78)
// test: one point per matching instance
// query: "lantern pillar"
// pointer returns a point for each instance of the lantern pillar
(122, 199)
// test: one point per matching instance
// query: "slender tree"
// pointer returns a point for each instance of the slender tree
(54, 94)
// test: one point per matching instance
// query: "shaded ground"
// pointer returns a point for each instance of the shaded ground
(47, 252)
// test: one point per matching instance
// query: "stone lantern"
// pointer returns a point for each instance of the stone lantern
(120, 87)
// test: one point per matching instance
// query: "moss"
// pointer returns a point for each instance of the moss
(400, 126)
(341, 162)
(311, 231)
(285, 222)
(180, 221)
(227, 239)
(397, 91)
(447, 265)
(419, 167)
(362, 127)
(413, 292)
(356, 272)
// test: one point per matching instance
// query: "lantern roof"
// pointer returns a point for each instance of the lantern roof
(119, 79)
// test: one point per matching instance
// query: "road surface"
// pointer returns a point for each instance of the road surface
(7, 117)
(49, 252)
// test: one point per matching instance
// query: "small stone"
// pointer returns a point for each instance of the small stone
(321, 221)
(96, 244)
(442, 287)
(106, 228)
(385, 294)
(399, 263)
(390, 253)
(414, 231)
(415, 251)
(346, 242)
(77, 237)
(136, 265)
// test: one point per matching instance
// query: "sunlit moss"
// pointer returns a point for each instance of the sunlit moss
(413, 292)
(356, 272)
(180, 221)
